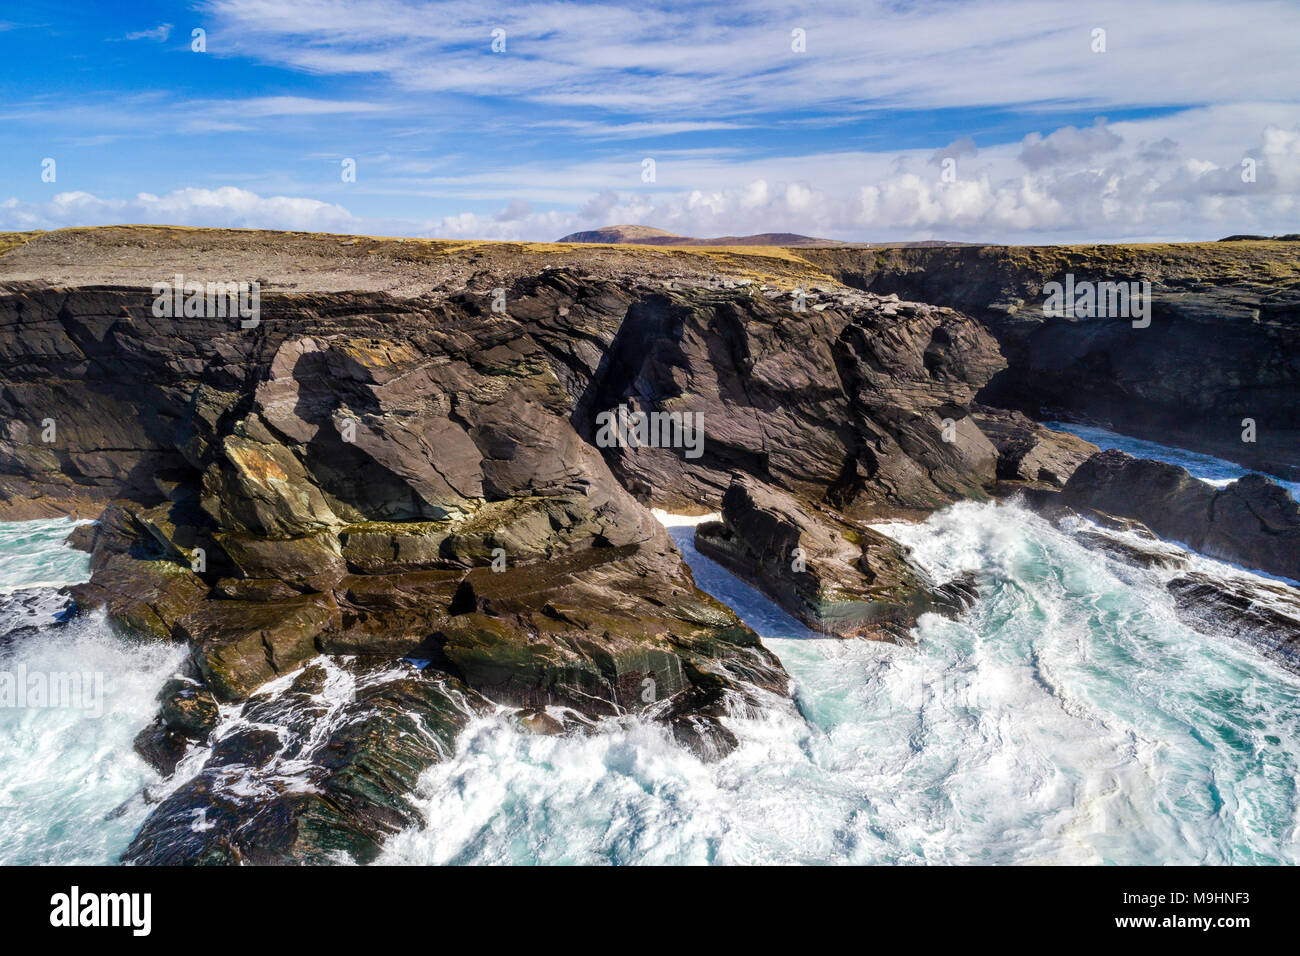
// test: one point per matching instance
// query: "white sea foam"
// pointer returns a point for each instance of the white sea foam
(69, 780)
(1069, 717)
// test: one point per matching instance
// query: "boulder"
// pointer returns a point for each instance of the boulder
(1252, 521)
(837, 578)
(1029, 452)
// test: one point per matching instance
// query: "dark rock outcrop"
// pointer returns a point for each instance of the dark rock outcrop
(1223, 344)
(856, 400)
(1264, 615)
(314, 773)
(838, 578)
(1029, 452)
(1252, 521)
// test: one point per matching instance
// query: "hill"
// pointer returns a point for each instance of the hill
(649, 236)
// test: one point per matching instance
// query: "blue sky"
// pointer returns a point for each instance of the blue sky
(1050, 138)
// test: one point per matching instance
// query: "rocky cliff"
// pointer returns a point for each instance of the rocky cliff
(419, 475)
(1222, 346)
(417, 487)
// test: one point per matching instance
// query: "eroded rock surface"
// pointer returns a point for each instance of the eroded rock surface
(1252, 521)
(842, 579)
(411, 474)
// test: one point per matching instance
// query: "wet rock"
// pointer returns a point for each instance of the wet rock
(1252, 521)
(1144, 552)
(253, 589)
(539, 722)
(585, 632)
(188, 708)
(393, 615)
(837, 578)
(1030, 452)
(27, 612)
(704, 736)
(1263, 614)
(345, 788)
(161, 747)
(252, 747)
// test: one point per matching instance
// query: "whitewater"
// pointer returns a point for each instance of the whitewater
(1068, 717)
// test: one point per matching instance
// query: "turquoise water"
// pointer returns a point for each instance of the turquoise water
(1068, 717)
(66, 772)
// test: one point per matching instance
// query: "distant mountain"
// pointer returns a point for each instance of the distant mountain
(649, 236)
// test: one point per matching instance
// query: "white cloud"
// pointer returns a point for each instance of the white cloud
(696, 62)
(1143, 184)
(228, 206)
(159, 33)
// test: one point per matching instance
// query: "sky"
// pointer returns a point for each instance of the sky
(1011, 121)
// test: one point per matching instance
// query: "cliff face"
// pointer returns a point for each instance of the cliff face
(377, 477)
(1223, 342)
(424, 474)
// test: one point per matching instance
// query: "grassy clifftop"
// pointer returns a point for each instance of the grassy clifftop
(980, 279)
(1003, 278)
(321, 262)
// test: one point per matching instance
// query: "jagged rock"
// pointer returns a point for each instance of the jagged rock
(331, 786)
(1188, 379)
(1029, 452)
(1252, 521)
(850, 401)
(253, 589)
(1263, 614)
(840, 579)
